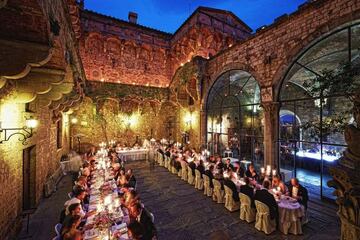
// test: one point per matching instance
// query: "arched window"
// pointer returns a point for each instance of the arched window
(311, 125)
(234, 118)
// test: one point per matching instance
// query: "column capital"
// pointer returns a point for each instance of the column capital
(270, 106)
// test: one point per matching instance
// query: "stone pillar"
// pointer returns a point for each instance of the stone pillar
(271, 121)
(346, 181)
(203, 129)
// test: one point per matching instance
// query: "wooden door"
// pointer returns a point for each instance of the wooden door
(29, 176)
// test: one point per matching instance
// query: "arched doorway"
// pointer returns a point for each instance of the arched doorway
(234, 117)
(314, 144)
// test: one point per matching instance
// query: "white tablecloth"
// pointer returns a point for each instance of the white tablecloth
(290, 214)
(133, 154)
(73, 165)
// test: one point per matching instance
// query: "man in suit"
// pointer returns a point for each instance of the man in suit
(131, 179)
(219, 163)
(192, 165)
(297, 191)
(228, 165)
(248, 190)
(201, 167)
(141, 215)
(210, 174)
(230, 184)
(268, 199)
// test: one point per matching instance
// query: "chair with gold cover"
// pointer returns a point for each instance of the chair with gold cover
(218, 193)
(230, 203)
(166, 162)
(199, 183)
(180, 173)
(264, 222)
(161, 160)
(247, 213)
(191, 178)
(208, 191)
(184, 174)
(169, 167)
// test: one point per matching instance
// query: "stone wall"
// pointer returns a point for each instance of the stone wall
(11, 161)
(117, 51)
(111, 123)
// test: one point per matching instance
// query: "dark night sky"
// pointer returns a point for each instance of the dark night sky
(168, 15)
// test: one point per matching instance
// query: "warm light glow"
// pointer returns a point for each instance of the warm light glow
(31, 123)
(189, 118)
(84, 123)
(130, 120)
(10, 115)
(74, 120)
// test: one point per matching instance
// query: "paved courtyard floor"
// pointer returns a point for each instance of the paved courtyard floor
(182, 212)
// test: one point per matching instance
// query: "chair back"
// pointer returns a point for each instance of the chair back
(216, 183)
(58, 229)
(183, 165)
(197, 173)
(262, 208)
(189, 170)
(152, 217)
(228, 191)
(244, 199)
(206, 180)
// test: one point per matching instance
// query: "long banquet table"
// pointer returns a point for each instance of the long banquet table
(133, 154)
(290, 211)
(110, 220)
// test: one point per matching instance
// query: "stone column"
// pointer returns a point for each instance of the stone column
(346, 181)
(203, 129)
(271, 121)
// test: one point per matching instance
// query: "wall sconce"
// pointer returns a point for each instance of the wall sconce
(24, 132)
(189, 119)
(131, 121)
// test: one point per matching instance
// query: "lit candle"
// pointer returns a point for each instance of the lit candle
(117, 202)
(107, 200)
(274, 172)
(268, 170)
(262, 170)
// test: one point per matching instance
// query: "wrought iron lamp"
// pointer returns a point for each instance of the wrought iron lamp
(23, 132)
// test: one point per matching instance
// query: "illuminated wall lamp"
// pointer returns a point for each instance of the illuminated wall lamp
(24, 132)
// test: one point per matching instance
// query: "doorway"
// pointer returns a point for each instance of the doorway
(29, 178)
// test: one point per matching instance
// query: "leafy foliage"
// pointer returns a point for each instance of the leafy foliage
(345, 80)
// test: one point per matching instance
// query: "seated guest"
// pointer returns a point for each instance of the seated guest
(201, 167)
(210, 174)
(228, 165)
(131, 178)
(248, 190)
(78, 197)
(279, 185)
(122, 180)
(297, 191)
(230, 184)
(91, 153)
(86, 169)
(141, 215)
(219, 163)
(81, 183)
(167, 152)
(72, 210)
(220, 177)
(192, 165)
(264, 196)
(130, 197)
(70, 227)
(135, 230)
(239, 170)
(251, 172)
